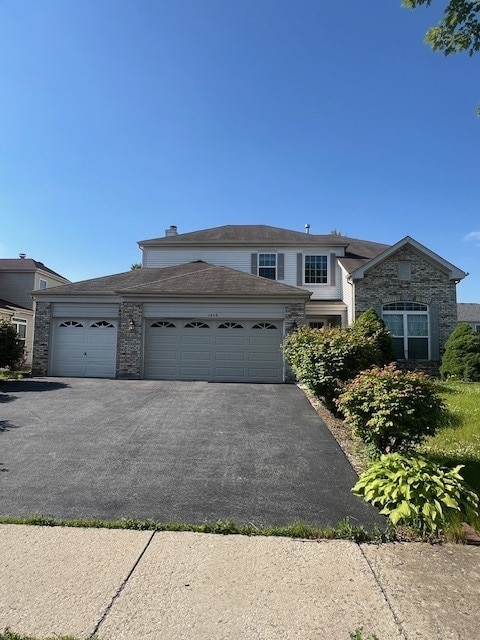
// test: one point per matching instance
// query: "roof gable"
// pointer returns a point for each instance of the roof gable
(454, 272)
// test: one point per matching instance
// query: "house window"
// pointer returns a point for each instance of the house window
(316, 269)
(42, 284)
(267, 265)
(408, 324)
(477, 328)
(315, 324)
(20, 327)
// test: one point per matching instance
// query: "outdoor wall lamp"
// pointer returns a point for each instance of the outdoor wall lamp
(294, 325)
(131, 325)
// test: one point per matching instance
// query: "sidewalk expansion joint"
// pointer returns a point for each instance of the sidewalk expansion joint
(121, 587)
(384, 593)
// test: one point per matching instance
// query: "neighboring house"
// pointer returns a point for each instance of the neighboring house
(18, 278)
(216, 304)
(469, 312)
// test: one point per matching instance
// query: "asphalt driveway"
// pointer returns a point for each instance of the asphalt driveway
(170, 451)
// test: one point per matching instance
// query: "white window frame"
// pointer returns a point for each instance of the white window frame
(326, 256)
(273, 267)
(42, 283)
(17, 323)
(405, 313)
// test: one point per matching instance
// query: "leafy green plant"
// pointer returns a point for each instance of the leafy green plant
(325, 359)
(415, 492)
(358, 635)
(392, 410)
(370, 325)
(11, 347)
(461, 358)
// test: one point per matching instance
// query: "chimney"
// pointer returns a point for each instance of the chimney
(307, 228)
(172, 231)
(22, 256)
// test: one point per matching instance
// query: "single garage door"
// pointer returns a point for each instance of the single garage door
(213, 350)
(84, 348)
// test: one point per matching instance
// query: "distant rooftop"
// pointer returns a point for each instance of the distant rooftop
(25, 264)
(468, 312)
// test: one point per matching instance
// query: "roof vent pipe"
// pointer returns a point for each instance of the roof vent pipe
(172, 231)
(22, 255)
(307, 228)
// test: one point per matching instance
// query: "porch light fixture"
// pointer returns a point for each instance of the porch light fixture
(294, 325)
(131, 325)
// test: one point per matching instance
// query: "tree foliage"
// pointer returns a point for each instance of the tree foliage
(461, 358)
(11, 347)
(135, 265)
(458, 30)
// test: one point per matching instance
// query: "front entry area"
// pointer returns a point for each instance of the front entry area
(84, 348)
(214, 350)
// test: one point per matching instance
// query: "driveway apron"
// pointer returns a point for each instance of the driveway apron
(171, 451)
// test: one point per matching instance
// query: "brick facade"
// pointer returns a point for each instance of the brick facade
(129, 344)
(41, 345)
(428, 284)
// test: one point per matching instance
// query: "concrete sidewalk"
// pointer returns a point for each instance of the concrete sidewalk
(136, 585)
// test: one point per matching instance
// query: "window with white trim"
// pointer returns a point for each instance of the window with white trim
(408, 324)
(42, 284)
(20, 327)
(267, 265)
(316, 269)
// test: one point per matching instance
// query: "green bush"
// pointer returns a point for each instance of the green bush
(392, 410)
(370, 325)
(325, 359)
(417, 493)
(461, 358)
(11, 347)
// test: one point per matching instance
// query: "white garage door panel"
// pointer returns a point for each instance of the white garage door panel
(84, 348)
(214, 350)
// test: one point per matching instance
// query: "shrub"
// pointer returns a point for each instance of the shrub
(392, 410)
(461, 358)
(370, 325)
(414, 492)
(325, 359)
(11, 347)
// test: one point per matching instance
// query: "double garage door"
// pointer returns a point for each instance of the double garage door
(174, 349)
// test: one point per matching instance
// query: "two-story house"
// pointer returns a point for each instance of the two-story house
(18, 278)
(216, 304)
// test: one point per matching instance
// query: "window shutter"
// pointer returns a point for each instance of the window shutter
(281, 266)
(254, 264)
(299, 269)
(333, 270)
(434, 334)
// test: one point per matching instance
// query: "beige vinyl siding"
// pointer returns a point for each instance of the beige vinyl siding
(51, 280)
(347, 294)
(212, 310)
(16, 288)
(85, 310)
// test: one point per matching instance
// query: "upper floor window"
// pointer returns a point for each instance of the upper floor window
(408, 324)
(42, 284)
(316, 269)
(20, 327)
(267, 265)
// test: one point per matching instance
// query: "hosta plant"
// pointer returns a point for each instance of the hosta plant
(412, 491)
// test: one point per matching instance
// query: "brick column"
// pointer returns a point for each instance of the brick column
(129, 345)
(41, 341)
(294, 315)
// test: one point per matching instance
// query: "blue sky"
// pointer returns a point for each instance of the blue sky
(119, 118)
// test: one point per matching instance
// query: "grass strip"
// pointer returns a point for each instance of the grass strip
(343, 531)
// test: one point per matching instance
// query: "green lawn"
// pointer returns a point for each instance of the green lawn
(459, 443)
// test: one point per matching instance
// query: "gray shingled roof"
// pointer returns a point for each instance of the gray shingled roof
(194, 278)
(5, 304)
(358, 252)
(249, 234)
(25, 264)
(468, 312)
